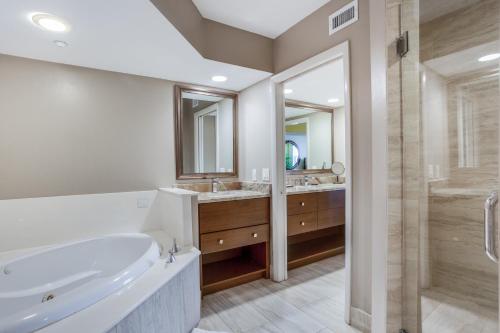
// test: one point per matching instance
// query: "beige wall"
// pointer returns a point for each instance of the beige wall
(304, 40)
(71, 130)
(217, 41)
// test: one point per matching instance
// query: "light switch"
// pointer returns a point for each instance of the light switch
(265, 174)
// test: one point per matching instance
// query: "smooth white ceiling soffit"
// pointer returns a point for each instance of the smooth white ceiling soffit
(269, 18)
(323, 85)
(128, 37)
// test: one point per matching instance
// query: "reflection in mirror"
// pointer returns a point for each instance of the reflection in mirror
(315, 117)
(309, 128)
(206, 123)
(292, 155)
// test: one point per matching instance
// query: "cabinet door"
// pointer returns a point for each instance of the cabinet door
(301, 203)
(331, 199)
(218, 216)
(301, 223)
(331, 217)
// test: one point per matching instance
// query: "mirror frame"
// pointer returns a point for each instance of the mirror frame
(178, 117)
(320, 108)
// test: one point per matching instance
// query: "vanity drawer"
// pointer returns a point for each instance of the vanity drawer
(331, 217)
(230, 239)
(218, 216)
(301, 203)
(331, 199)
(298, 224)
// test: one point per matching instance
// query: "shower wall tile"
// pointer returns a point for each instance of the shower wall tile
(465, 28)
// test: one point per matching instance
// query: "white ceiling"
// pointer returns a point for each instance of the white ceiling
(122, 36)
(464, 61)
(269, 18)
(319, 85)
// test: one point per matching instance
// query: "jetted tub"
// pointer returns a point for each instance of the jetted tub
(41, 288)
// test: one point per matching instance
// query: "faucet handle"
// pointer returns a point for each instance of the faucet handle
(175, 247)
(171, 257)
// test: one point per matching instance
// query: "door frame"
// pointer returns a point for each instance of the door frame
(279, 217)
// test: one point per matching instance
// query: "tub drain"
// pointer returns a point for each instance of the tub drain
(48, 297)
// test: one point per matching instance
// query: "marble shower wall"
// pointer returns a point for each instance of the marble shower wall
(405, 181)
(461, 167)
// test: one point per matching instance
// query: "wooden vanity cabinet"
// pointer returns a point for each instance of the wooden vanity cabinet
(316, 226)
(234, 242)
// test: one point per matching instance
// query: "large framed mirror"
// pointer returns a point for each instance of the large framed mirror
(206, 132)
(308, 137)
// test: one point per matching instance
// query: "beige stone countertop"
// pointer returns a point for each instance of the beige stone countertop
(206, 197)
(314, 188)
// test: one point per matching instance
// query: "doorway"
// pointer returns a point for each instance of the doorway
(304, 153)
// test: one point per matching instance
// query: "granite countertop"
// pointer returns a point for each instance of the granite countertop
(205, 197)
(314, 188)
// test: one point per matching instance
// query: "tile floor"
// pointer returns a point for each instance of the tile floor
(310, 301)
(444, 313)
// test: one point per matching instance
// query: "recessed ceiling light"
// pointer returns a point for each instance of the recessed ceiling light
(49, 22)
(219, 78)
(333, 100)
(489, 57)
(60, 43)
(287, 91)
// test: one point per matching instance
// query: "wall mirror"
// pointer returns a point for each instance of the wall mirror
(308, 137)
(206, 132)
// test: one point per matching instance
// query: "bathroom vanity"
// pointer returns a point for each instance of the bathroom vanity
(316, 223)
(232, 233)
(234, 240)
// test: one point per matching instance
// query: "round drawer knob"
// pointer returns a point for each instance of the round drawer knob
(254, 235)
(220, 241)
(302, 204)
(302, 223)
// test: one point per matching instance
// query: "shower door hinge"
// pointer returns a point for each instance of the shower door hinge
(402, 45)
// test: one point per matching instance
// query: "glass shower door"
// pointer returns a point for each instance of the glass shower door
(449, 123)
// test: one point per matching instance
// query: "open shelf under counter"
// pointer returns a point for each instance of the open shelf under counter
(226, 269)
(310, 247)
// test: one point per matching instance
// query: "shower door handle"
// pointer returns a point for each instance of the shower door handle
(489, 226)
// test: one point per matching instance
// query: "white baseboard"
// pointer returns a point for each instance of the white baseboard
(361, 320)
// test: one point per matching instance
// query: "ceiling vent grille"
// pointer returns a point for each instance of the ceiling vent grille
(343, 17)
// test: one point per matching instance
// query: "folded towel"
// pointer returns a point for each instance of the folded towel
(199, 330)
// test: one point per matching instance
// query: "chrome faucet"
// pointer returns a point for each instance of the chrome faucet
(175, 247)
(170, 258)
(215, 185)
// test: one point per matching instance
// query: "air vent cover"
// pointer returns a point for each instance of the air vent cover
(343, 17)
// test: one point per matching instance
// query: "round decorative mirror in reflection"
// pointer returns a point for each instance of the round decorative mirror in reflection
(292, 155)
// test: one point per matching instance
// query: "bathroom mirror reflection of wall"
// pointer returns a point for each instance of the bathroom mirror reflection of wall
(315, 119)
(206, 143)
(309, 128)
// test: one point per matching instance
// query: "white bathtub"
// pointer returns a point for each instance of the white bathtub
(44, 287)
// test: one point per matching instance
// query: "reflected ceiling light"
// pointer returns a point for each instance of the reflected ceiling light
(219, 78)
(489, 57)
(60, 43)
(49, 22)
(333, 100)
(287, 91)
